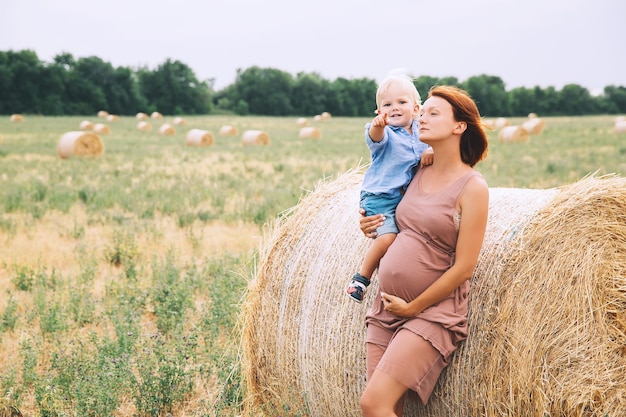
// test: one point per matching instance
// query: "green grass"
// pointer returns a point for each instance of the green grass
(122, 276)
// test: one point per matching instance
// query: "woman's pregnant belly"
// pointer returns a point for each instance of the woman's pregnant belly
(410, 266)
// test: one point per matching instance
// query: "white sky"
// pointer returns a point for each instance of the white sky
(525, 42)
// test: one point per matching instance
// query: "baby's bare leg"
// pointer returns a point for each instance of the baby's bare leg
(376, 251)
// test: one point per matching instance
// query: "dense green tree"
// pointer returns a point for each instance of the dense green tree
(352, 97)
(86, 85)
(575, 100)
(615, 97)
(523, 101)
(21, 85)
(266, 91)
(490, 95)
(174, 89)
(309, 94)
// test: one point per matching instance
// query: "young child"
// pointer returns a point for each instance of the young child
(392, 137)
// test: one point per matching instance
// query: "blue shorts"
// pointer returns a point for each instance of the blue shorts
(381, 204)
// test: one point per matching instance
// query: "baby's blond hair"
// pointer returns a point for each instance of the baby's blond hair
(405, 82)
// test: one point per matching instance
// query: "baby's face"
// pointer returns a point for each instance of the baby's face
(399, 106)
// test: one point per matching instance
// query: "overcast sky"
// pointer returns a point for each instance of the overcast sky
(525, 42)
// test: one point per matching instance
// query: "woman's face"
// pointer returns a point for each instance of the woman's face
(436, 119)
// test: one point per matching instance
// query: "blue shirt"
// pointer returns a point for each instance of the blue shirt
(393, 160)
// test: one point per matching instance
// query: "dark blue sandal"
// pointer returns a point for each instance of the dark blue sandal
(357, 287)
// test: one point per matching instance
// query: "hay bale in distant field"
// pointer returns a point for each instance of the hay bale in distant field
(101, 128)
(489, 123)
(532, 115)
(255, 137)
(317, 117)
(103, 113)
(325, 116)
(17, 118)
(501, 122)
(179, 121)
(156, 115)
(199, 137)
(86, 125)
(620, 127)
(513, 134)
(79, 144)
(167, 129)
(228, 131)
(310, 133)
(144, 126)
(113, 117)
(141, 116)
(547, 319)
(302, 121)
(534, 126)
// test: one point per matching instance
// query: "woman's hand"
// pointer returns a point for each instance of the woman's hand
(395, 305)
(369, 224)
(428, 157)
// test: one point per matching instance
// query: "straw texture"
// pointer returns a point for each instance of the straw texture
(255, 137)
(17, 118)
(167, 129)
(547, 309)
(228, 130)
(534, 125)
(86, 125)
(101, 128)
(144, 126)
(310, 133)
(199, 137)
(79, 144)
(513, 134)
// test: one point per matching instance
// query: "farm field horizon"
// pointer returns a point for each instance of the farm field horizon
(122, 275)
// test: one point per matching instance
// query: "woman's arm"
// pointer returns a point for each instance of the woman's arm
(474, 205)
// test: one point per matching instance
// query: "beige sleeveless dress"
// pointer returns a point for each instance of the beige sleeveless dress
(422, 251)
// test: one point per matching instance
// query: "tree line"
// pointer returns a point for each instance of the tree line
(83, 86)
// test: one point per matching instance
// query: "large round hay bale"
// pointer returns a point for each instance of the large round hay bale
(199, 137)
(513, 134)
(547, 319)
(534, 126)
(113, 118)
(167, 129)
(156, 115)
(310, 133)
(144, 126)
(17, 118)
(101, 128)
(255, 137)
(141, 116)
(228, 130)
(103, 114)
(325, 116)
(302, 121)
(86, 125)
(79, 143)
(620, 127)
(179, 121)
